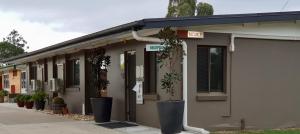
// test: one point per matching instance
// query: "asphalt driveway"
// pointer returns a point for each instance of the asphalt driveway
(15, 120)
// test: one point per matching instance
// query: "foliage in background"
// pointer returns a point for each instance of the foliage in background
(58, 100)
(168, 57)
(100, 62)
(3, 93)
(187, 7)
(27, 98)
(184, 8)
(204, 9)
(20, 98)
(39, 95)
(12, 45)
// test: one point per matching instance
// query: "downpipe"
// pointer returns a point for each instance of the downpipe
(185, 92)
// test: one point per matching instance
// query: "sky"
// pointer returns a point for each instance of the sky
(47, 22)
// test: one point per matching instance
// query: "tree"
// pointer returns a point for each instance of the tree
(15, 38)
(8, 50)
(168, 57)
(204, 9)
(12, 45)
(184, 8)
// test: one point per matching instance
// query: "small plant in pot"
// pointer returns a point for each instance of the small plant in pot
(58, 104)
(39, 97)
(3, 93)
(170, 111)
(20, 100)
(28, 101)
(101, 105)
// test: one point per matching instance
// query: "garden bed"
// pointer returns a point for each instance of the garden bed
(71, 116)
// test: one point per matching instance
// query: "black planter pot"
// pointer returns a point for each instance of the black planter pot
(39, 105)
(101, 108)
(171, 116)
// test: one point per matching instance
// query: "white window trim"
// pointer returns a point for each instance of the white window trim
(25, 80)
(7, 89)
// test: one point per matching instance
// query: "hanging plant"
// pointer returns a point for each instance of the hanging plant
(100, 63)
(168, 57)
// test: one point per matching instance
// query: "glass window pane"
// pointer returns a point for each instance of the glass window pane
(76, 72)
(150, 72)
(202, 69)
(216, 69)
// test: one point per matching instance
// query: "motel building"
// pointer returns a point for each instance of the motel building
(237, 68)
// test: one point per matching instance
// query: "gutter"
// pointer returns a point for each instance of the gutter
(185, 96)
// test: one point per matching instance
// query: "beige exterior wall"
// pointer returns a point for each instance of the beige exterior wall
(146, 113)
(261, 85)
(73, 96)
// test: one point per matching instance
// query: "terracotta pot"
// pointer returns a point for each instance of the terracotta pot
(20, 104)
(29, 105)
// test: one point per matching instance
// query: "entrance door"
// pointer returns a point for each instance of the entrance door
(130, 81)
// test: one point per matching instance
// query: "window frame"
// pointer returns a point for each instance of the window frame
(45, 70)
(70, 73)
(54, 68)
(4, 81)
(33, 72)
(23, 80)
(224, 63)
(148, 90)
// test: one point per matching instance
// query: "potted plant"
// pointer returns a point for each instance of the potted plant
(20, 100)
(39, 97)
(3, 93)
(170, 111)
(58, 104)
(28, 101)
(101, 105)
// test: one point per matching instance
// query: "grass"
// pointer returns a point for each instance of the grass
(287, 131)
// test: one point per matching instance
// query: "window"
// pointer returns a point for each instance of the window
(210, 69)
(6, 81)
(33, 72)
(150, 72)
(15, 73)
(54, 68)
(73, 68)
(23, 80)
(45, 70)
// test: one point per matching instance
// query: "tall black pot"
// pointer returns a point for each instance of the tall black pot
(101, 108)
(171, 116)
(39, 105)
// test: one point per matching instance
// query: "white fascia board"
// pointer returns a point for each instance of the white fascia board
(103, 41)
(282, 30)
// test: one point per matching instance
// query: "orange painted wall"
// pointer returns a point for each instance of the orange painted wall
(15, 80)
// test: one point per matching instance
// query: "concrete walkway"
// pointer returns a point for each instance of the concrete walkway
(15, 120)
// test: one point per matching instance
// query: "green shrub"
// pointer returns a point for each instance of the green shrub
(58, 100)
(19, 98)
(39, 96)
(3, 93)
(27, 98)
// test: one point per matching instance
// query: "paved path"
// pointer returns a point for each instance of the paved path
(15, 120)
